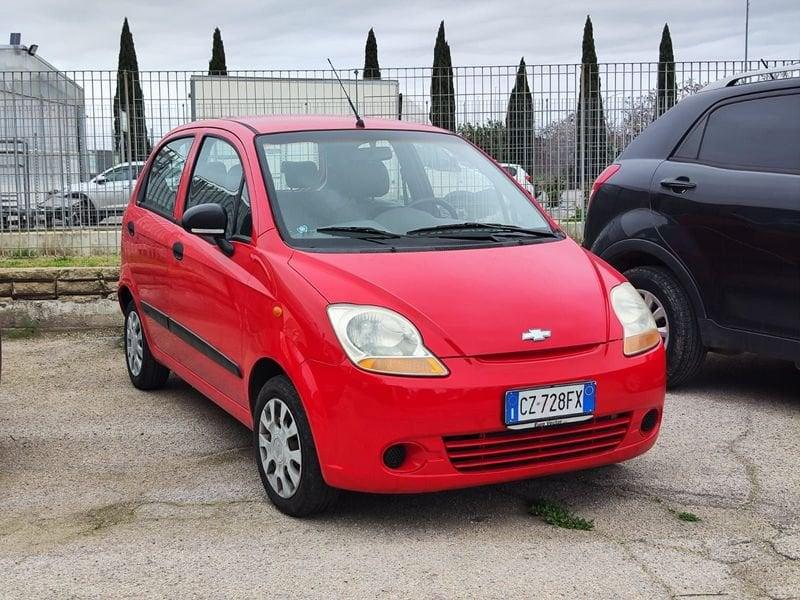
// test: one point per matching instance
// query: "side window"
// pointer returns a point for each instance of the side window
(690, 145)
(165, 176)
(123, 173)
(760, 134)
(218, 178)
(111, 174)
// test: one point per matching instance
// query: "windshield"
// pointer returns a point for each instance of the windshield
(404, 189)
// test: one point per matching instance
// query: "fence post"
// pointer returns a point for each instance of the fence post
(582, 137)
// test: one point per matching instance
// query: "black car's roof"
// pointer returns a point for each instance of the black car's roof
(661, 136)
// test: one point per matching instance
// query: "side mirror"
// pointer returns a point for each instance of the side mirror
(210, 220)
(100, 179)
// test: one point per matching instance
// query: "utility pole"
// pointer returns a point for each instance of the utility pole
(746, 29)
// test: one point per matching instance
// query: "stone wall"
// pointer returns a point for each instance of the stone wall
(59, 298)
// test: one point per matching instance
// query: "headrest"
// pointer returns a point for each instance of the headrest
(369, 179)
(213, 171)
(234, 179)
(300, 175)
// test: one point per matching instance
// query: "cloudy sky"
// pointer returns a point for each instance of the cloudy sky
(264, 34)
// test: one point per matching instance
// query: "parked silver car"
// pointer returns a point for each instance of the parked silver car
(89, 202)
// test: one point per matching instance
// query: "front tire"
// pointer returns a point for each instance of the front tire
(145, 372)
(285, 452)
(87, 214)
(675, 318)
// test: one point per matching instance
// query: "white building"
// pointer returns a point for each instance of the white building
(42, 128)
(238, 96)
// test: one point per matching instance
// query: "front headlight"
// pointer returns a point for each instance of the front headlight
(638, 324)
(380, 340)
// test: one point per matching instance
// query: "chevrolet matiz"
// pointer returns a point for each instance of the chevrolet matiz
(384, 306)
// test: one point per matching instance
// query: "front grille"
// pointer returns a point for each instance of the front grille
(514, 449)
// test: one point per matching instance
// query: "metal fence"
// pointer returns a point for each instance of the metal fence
(72, 143)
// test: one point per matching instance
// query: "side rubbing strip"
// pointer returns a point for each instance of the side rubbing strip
(156, 315)
(191, 338)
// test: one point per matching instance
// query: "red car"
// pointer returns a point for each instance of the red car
(383, 306)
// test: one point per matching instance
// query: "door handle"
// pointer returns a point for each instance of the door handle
(679, 184)
(131, 228)
(177, 251)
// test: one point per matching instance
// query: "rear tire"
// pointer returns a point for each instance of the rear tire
(685, 351)
(285, 452)
(145, 372)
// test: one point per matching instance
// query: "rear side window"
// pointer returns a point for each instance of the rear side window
(218, 178)
(759, 134)
(165, 176)
(123, 173)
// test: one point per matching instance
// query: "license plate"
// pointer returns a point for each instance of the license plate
(552, 405)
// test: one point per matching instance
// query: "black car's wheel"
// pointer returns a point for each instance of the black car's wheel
(285, 452)
(675, 319)
(85, 214)
(145, 372)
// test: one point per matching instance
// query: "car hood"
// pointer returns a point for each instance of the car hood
(59, 198)
(475, 302)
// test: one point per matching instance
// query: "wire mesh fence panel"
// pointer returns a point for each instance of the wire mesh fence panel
(72, 144)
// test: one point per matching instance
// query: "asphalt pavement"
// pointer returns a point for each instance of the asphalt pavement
(106, 491)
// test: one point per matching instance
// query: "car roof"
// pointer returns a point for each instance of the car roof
(295, 123)
(754, 77)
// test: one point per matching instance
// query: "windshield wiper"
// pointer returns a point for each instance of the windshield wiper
(360, 233)
(481, 229)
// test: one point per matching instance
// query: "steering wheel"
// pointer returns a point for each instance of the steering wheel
(434, 202)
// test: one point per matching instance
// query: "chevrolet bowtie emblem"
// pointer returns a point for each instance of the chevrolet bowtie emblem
(535, 335)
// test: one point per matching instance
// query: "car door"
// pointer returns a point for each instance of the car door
(98, 189)
(118, 186)
(731, 195)
(150, 229)
(208, 286)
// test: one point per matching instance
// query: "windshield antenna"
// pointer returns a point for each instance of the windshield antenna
(359, 121)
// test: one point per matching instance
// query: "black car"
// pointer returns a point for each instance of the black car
(702, 213)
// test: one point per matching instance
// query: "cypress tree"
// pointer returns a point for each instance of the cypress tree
(129, 99)
(519, 121)
(372, 69)
(591, 122)
(217, 66)
(667, 92)
(443, 98)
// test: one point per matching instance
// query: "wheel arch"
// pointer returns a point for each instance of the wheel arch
(124, 295)
(81, 196)
(264, 369)
(631, 253)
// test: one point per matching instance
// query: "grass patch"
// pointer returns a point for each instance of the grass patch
(557, 515)
(18, 262)
(688, 517)
(22, 333)
(30, 329)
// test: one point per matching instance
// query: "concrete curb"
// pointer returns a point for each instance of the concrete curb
(59, 298)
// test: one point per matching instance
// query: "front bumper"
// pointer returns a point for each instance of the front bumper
(355, 416)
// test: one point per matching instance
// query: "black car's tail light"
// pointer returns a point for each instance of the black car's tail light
(607, 174)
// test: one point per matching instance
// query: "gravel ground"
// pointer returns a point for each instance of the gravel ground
(106, 491)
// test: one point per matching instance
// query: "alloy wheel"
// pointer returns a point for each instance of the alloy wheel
(279, 447)
(659, 314)
(134, 343)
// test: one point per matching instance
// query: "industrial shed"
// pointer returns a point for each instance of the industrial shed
(42, 130)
